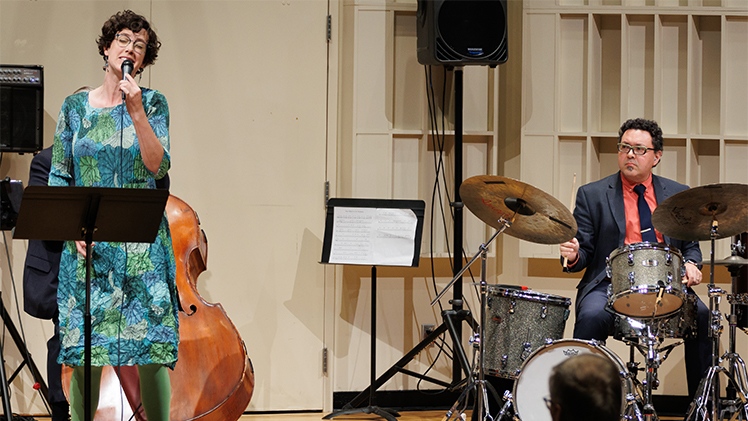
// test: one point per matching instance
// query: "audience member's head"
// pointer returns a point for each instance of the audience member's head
(585, 387)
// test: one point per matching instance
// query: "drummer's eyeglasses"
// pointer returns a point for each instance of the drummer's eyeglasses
(139, 46)
(625, 148)
(548, 402)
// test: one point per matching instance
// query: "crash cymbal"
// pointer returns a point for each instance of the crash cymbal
(538, 217)
(688, 215)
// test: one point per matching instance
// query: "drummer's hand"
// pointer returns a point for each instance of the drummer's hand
(570, 250)
(693, 275)
(81, 247)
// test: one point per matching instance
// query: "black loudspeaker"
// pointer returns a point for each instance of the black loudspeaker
(11, 193)
(462, 32)
(21, 108)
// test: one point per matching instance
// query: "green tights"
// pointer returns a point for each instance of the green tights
(155, 391)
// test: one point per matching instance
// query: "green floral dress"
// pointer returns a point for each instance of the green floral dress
(134, 316)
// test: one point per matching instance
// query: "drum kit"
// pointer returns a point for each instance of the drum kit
(521, 331)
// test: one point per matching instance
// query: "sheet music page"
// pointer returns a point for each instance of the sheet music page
(380, 236)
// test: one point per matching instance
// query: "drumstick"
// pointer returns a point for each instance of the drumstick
(571, 208)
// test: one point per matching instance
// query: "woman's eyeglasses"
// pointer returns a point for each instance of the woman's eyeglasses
(139, 46)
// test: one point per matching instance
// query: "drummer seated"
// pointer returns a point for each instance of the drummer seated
(585, 387)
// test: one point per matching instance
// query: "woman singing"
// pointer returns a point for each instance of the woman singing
(103, 140)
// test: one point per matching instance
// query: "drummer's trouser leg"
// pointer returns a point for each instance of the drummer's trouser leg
(592, 320)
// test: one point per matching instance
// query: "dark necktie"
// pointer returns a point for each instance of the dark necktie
(645, 216)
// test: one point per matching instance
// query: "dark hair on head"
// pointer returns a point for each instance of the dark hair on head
(127, 19)
(650, 126)
(588, 388)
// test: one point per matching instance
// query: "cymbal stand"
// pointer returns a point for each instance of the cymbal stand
(709, 388)
(480, 385)
(735, 364)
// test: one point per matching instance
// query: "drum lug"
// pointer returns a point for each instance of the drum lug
(544, 312)
(632, 278)
(512, 305)
(631, 259)
(566, 314)
(669, 278)
(526, 350)
(668, 259)
(504, 359)
(549, 341)
(608, 267)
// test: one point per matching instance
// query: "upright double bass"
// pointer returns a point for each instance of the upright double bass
(213, 379)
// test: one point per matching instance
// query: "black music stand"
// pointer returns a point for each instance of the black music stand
(90, 214)
(353, 230)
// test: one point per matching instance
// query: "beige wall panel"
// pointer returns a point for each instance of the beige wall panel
(538, 169)
(709, 162)
(736, 77)
(427, 187)
(249, 153)
(476, 97)
(406, 168)
(409, 83)
(539, 79)
(609, 58)
(673, 163)
(572, 116)
(673, 76)
(640, 67)
(372, 177)
(572, 164)
(475, 162)
(372, 72)
(736, 162)
(708, 71)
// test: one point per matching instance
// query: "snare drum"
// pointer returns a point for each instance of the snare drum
(681, 325)
(646, 279)
(532, 384)
(517, 323)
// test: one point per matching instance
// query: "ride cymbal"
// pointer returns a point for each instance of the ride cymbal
(688, 215)
(538, 217)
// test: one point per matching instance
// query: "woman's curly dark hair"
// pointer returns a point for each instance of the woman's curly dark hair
(127, 19)
(650, 126)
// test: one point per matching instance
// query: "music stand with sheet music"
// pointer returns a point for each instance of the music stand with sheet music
(90, 214)
(374, 232)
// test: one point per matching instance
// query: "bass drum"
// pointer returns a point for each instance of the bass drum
(532, 384)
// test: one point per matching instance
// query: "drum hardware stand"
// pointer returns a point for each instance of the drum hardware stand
(508, 402)
(709, 387)
(735, 365)
(481, 395)
(654, 357)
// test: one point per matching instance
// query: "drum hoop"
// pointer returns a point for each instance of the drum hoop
(531, 295)
(621, 294)
(646, 245)
(627, 385)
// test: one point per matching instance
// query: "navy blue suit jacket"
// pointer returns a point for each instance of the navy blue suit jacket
(601, 219)
(42, 257)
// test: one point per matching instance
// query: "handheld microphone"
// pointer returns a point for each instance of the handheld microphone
(127, 67)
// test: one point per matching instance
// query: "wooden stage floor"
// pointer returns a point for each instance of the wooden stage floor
(316, 416)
